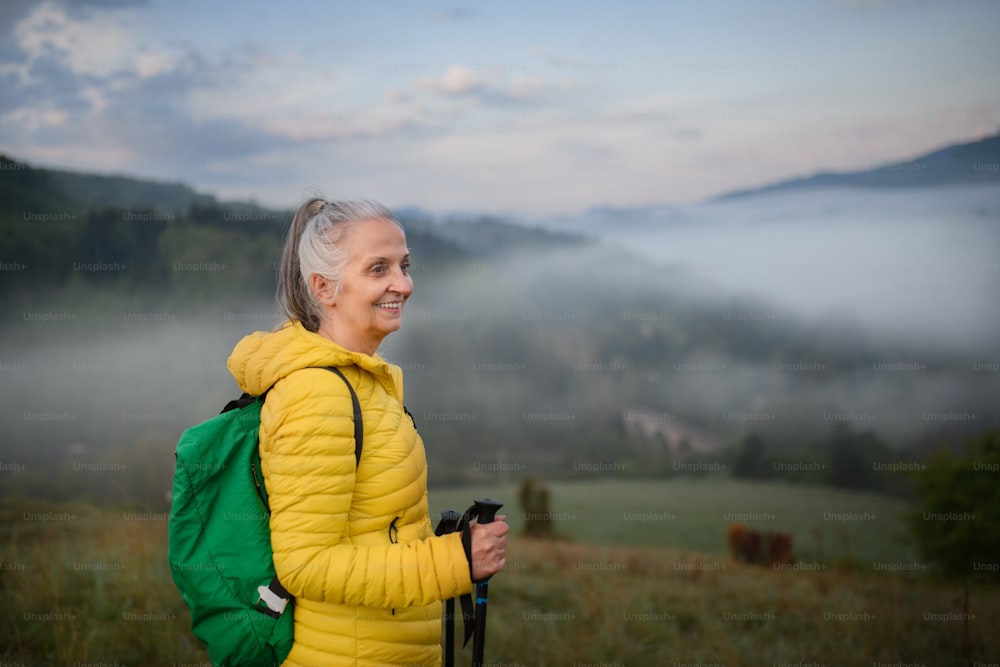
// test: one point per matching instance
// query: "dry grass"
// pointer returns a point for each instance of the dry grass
(83, 585)
(565, 603)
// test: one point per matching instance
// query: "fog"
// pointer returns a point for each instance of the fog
(723, 319)
(659, 336)
(917, 264)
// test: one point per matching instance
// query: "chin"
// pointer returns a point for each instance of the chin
(386, 330)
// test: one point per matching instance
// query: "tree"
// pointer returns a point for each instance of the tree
(535, 510)
(750, 461)
(956, 522)
(851, 455)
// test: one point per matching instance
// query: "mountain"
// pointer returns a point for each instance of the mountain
(977, 162)
(31, 189)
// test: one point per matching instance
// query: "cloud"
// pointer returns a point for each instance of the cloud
(334, 125)
(489, 85)
(134, 125)
(527, 86)
(81, 90)
(577, 64)
(82, 87)
(457, 80)
(97, 45)
(549, 57)
(106, 84)
(11, 13)
(452, 101)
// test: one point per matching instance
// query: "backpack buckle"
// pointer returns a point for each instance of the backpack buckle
(274, 602)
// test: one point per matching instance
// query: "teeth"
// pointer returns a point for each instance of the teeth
(389, 306)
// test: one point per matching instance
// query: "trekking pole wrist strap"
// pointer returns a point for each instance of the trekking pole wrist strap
(467, 546)
(452, 521)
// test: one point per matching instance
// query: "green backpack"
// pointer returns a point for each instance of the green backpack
(220, 540)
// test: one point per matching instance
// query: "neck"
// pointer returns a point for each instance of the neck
(328, 329)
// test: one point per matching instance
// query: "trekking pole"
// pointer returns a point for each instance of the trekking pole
(449, 524)
(486, 510)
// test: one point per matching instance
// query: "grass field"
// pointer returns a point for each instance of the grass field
(86, 585)
(828, 525)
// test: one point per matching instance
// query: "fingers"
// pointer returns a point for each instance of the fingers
(500, 518)
(499, 528)
(489, 548)
(490, 536)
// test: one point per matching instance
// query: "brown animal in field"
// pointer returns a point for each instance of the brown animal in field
(779, 549)
(757, 547)
(744, 544)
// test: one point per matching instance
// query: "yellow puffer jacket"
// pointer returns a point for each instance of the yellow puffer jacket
(355, 548)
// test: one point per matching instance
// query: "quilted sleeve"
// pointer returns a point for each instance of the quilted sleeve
(307, 458)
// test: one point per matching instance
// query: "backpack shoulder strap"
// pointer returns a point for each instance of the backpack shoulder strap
(241, 402)
(358, 424)
(359, 432)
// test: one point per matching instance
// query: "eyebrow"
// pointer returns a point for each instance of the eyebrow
(384, 259)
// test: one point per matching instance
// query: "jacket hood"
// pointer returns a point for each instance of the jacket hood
(264, 357)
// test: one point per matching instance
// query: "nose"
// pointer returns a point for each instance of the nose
(402, 283)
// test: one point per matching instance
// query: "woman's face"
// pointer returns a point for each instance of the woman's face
(374, 288)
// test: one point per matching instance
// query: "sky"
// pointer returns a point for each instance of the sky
(518, 107)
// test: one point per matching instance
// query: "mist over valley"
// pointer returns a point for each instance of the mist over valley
(642, 342)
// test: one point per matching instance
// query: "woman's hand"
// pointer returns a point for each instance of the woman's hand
(489, 546)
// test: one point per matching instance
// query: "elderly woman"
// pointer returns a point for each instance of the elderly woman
(354, 546)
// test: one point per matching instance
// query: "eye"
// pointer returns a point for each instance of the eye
(379, 269)
(405, 266)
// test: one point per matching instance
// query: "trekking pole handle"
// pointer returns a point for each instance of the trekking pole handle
(486, 510)
(449, 522)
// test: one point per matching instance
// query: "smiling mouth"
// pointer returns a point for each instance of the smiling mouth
(393, 306)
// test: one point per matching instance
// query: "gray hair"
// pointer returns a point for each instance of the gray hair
(314, 245)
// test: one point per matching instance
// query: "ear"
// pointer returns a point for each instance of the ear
(324, 289)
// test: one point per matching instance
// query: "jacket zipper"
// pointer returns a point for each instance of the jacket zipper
(394, 539)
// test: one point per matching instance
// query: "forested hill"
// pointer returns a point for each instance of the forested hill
(60, 227)
(32, 189)
(971, 163)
